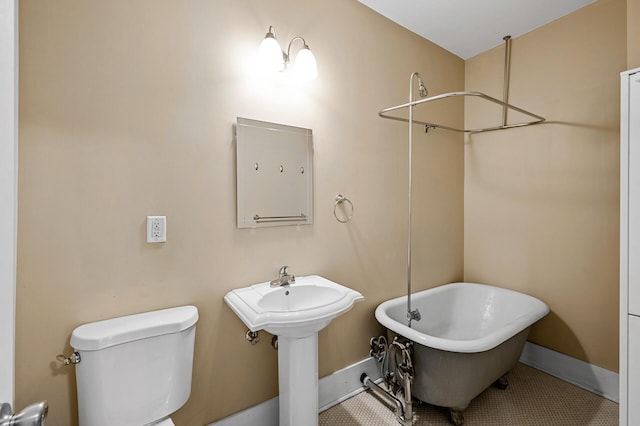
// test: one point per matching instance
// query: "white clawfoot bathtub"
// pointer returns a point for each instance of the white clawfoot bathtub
(469, 336)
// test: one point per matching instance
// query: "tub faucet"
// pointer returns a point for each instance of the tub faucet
(283, 278)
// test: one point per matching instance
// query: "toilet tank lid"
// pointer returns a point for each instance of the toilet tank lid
(102, 334)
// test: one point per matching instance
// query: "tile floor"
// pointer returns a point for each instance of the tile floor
(532, 398)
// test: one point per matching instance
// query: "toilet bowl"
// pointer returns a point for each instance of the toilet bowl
(135, 370)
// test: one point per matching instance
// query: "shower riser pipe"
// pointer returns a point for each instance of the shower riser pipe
(410, 196)
(411, 315)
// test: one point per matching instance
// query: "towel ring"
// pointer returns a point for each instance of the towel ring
(339, 200)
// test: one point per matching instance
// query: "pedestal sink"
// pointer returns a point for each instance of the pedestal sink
(295, 313)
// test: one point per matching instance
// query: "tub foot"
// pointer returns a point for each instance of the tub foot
(502, 383)
(456, 416)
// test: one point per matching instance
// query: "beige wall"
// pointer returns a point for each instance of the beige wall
(126, 110)
(633, 34)
(541, 203)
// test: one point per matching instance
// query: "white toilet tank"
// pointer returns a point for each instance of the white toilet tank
(134, 370)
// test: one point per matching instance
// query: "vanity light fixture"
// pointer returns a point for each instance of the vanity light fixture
(273, 58)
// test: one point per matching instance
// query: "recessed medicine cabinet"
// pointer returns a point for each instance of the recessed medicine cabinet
(274, 174)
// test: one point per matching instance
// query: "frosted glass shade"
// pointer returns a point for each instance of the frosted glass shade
(305, 66)
(270, 55)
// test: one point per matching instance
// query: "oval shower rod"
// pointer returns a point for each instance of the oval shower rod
(384, 113)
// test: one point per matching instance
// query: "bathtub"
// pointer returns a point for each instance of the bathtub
(470, 335)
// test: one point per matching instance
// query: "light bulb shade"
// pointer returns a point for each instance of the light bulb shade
(305, 66)
(270, 54)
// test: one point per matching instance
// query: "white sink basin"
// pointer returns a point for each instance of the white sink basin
(299, 298)
(301, 309)
(295, 313)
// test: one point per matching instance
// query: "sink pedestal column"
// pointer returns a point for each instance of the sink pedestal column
(298, 380)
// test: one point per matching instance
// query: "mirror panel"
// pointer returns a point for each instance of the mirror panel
(274, 174)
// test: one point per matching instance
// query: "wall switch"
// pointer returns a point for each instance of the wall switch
(156, 229)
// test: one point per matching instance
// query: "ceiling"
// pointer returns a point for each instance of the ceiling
(469, 27)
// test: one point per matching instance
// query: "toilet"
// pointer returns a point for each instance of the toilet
(135, 370)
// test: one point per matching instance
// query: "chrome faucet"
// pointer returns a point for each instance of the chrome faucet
(283, 278)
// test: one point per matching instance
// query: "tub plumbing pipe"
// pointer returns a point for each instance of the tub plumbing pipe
(400, 409)
(398, 376)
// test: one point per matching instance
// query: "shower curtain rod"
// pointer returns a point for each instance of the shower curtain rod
(504, 103)
(429, 125)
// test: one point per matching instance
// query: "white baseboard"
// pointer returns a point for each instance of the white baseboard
(263, 414)
(332, 390)
(343, 384)
(590, 377)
